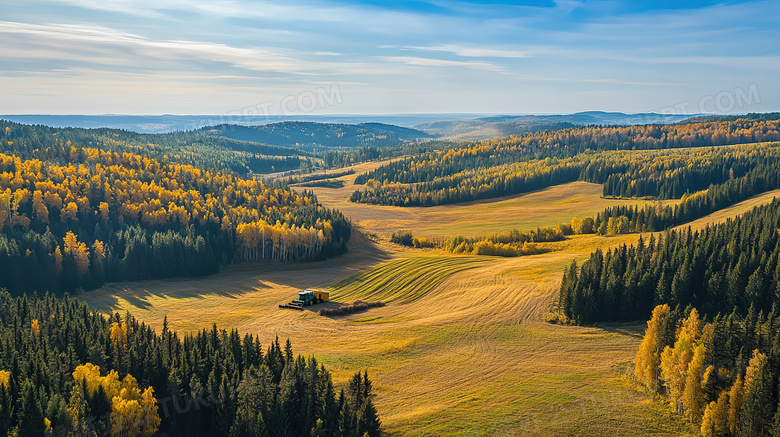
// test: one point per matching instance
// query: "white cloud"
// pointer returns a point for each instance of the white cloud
(96, 44)
(472, 52)
(429, 62)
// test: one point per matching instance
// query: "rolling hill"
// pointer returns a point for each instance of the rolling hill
(505, 125)
(319, 135)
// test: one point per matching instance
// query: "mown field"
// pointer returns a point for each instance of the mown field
(548, 207)
(461, 348)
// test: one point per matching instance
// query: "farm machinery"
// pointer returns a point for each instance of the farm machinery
(307, 297)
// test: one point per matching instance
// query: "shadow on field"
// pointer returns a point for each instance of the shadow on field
(636, 330)
(323, 306)
(239, 279)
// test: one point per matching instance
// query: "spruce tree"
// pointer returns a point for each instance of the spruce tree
(6, 409)
(30, 415)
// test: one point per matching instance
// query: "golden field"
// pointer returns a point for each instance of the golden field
(461, 348)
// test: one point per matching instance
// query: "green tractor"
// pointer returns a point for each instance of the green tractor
(307, 297)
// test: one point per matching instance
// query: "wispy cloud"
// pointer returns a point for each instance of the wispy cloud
(431, 62)
(96, 44)
(416, 56)
(472, 51)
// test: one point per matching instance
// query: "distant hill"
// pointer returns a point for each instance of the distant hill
(310, 135)
(504, 125)
(153, 124)
(762, 116)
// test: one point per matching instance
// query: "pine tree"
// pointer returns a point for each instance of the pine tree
(775, 430)
(367, 420)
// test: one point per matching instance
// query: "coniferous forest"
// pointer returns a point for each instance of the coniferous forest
(730, 267)
(66, 370)
(712, 346)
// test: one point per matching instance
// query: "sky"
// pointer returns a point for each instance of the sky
(375, 57)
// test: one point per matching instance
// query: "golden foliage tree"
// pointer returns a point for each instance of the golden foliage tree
(118, 333)
(675, 360)
(716, 417)
(648, 357)
(735, 404)
(693, 396)
(133, 412)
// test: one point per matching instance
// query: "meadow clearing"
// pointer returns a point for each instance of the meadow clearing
(462, 347)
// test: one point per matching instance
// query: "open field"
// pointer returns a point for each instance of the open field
(548, 207)
(733, 211)
(461, 349)
(470, 357)
(403, 280)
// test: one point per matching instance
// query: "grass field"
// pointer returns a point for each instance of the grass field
(548, 207)
(461, 349)
(733, 211)
(403, 280)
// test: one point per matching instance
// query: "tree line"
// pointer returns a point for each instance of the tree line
(507, 244)
(67, 369)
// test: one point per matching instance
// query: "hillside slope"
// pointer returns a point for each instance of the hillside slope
(319, 135)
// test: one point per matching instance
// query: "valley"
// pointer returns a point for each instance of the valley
(472, 355)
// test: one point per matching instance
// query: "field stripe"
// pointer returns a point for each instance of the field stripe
(404, 280)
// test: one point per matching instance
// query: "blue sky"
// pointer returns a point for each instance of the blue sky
(375, 57)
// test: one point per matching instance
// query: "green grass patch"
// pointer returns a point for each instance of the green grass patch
(404, 280)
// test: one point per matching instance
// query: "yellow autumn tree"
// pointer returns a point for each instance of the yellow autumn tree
(69, 212)
(675, 360)
(58, 259)
(716, 417)
(98, 251)
(735, 405)
(118, 333)
(41, 213)
(71, 243)
(78, 251)
(648, 357)
(35, 328)
(693, 396)
(133, 412)
(5, 378)
(104, 211)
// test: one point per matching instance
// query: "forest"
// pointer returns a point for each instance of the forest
(65, 369)
(729, 267)
(522, 163)
(208, 152)
(712, 345)
(720, 373)
(76, 217)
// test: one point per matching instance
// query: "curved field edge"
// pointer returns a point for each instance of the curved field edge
(403, 280)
